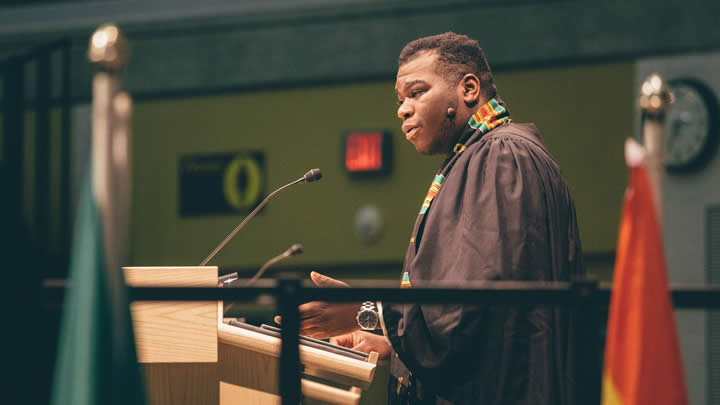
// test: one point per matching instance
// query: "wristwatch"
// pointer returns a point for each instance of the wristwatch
(368, 317)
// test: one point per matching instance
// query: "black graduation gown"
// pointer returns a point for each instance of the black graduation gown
(504, 212)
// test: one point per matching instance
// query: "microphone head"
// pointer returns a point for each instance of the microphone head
(312, 175)
(295, 250)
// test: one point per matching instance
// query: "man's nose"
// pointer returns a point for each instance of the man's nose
(404, 111)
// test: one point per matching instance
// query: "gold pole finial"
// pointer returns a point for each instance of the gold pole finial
(108, 48)
(656, 97)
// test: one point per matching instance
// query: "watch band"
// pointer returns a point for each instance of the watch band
(368, 306)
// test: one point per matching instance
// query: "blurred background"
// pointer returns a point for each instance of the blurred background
(233, 99)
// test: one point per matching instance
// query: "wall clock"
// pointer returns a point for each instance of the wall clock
(691, 126)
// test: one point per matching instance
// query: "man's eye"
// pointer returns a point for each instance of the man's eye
(416, 93)
(399, 102)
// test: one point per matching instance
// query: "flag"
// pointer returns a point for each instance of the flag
(96, 360)
(642, 357)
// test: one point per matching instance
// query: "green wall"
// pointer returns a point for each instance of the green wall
(584, 113)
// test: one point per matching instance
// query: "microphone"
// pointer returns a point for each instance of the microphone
(294, 250)
(309, 177)
(312, 175)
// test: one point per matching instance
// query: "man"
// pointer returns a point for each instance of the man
(498, 209)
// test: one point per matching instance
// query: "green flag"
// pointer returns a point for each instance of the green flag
(96, 361)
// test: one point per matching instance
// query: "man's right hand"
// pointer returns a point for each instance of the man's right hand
(365, 342)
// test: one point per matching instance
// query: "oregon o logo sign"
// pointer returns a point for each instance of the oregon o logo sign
(245, 198)
(228, 183)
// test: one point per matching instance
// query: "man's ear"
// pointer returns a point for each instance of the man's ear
(469, 87)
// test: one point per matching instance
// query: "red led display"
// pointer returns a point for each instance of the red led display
(364, 152)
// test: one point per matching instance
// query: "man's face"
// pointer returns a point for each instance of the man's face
(424, 97)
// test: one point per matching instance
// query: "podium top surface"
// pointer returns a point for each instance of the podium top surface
(171, 276)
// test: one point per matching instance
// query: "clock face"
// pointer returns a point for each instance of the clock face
(690, 129)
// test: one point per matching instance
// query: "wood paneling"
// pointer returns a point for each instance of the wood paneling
(174, 332)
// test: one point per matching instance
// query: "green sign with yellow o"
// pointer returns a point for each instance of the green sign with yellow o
(221, 183)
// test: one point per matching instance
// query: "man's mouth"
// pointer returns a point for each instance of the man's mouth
(411, 133)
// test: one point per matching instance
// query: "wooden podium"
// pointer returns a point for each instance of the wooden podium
(191, 356)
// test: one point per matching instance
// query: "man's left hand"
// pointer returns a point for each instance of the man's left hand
(324, 320)
(365, 342)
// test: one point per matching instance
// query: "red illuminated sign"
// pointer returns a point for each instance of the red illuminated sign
(367, 152)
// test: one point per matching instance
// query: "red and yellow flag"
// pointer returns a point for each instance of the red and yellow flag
(642, 357)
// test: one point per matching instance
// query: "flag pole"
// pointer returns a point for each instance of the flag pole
(110, 139)
(111, 111)
(655, 100)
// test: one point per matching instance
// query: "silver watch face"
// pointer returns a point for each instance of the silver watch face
(367, 319)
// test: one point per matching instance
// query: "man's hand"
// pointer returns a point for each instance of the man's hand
(365, 342)
(322, 320)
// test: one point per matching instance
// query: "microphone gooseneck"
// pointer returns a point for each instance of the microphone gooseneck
(294, 250)
(309, 177)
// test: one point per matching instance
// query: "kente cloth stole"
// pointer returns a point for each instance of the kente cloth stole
(489, 116)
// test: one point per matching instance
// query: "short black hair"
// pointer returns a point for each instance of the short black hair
(458, 55)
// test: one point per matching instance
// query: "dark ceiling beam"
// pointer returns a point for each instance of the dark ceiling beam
(298, 43)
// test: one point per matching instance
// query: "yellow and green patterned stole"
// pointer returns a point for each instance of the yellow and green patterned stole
(434, 188)
(405, 283)
(488, 117)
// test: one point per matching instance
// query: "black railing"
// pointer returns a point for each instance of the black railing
(587, 298)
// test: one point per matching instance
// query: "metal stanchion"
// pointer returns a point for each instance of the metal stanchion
(289, 290)
(589, 362)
